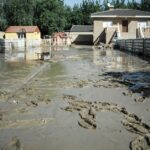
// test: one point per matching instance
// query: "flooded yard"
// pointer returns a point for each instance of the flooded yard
(82, 99)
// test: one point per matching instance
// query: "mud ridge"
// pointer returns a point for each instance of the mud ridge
(141, 143)
(88, 110)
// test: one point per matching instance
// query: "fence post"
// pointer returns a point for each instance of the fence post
(132, 45)
(125, 45)
(144, 42)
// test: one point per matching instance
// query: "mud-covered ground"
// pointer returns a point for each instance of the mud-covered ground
(81, 99)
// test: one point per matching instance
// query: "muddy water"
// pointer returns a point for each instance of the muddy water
(82, 99)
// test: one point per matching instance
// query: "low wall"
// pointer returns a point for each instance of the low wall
(2, 46)
(139, 46)
(21, 49)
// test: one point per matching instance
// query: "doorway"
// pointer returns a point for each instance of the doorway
(125, 26)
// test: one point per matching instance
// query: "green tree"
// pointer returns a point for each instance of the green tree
(119, 3)
(88, 7)
(19, 12)
(68, 16)
(105, 5)
(77, 16)
(145, 5)
(3, 20)
(49, 16)
(133, 4)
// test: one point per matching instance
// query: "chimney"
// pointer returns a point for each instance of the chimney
(111, 7)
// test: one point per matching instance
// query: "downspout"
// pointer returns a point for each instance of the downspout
(141, 32)
(118, 33)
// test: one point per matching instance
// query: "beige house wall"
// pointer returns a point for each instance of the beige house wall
(132, 26)
(11, 36)
(32, 36)
(97, 28)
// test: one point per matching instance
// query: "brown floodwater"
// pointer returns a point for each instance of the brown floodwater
(32, 103)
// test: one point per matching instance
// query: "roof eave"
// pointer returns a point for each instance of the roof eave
(119, 16)
(142, 16)
(103, 16)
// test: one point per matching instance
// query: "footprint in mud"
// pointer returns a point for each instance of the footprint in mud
(14, 144)
(141, 143)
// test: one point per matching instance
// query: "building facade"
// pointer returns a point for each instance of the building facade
(120, 23)
(60, 39)
(20, 32)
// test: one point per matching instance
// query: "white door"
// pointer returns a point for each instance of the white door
(107, 24)
(142, 24)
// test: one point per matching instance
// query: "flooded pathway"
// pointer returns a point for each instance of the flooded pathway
(82, 99)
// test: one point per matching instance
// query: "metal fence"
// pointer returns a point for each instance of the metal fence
(139, 46)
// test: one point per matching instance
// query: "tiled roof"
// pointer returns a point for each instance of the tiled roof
(81, 28)
(60, 34)
(122, 13)
(28, 29)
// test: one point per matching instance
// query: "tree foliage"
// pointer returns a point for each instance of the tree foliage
(145, 5)
(53, 15)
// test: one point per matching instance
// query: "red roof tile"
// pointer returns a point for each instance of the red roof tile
(60, 34)
(28, 29)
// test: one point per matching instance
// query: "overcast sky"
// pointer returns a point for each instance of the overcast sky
(72, 2)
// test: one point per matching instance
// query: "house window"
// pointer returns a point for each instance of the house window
(107, 24)
(125, 26)
(22, 34)
(142, 24)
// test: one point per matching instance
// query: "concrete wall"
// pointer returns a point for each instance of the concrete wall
(98, 28)
(132, 26)
(81, 37)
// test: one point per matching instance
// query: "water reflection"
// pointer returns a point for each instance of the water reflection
(112, 59)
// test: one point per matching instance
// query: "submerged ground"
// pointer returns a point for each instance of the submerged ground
(82, 99)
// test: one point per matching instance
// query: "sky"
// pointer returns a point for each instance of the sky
(72, 2)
